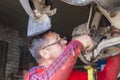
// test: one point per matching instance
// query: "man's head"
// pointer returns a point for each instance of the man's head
(47, 47)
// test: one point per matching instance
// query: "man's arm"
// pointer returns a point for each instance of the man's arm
(63, 65)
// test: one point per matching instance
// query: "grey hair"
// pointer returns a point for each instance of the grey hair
(35, 47)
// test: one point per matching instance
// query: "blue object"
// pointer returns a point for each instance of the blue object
(101, 63)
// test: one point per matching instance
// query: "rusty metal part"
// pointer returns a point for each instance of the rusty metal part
(106, 44)
(97, 52)
(105, 49)
(114, 20)
(39, 8)
(111, 51)
(110, 5)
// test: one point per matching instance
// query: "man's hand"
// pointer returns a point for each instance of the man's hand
(86, 40)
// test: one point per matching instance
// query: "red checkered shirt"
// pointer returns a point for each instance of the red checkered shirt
(61, 68)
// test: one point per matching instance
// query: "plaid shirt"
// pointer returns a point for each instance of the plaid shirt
(60, 69)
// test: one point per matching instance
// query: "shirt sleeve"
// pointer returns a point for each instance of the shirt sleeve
(61, 68)
(111, 70)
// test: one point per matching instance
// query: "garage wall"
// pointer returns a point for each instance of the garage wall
(14, 40)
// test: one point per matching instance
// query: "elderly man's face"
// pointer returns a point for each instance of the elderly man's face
(56, 45)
